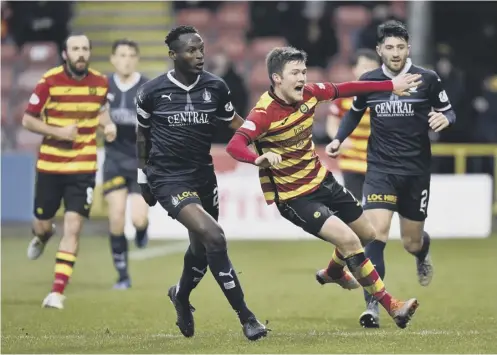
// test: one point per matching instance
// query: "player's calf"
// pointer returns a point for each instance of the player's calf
(139, 218)
(204, 226)
(66, 255)
(335, 273)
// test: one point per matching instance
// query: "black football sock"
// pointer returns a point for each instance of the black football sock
(225, 275)
(374, 251)
(140, 233)
(425, 248)
(194, 269)
(119, 245)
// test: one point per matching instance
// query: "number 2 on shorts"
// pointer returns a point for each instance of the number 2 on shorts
(424, 198)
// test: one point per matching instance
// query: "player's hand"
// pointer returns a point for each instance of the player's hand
(268, 159)
(404, 82)
(110, 131)
(68, 133)
(438, 121)
(147, 195)
(333, 149)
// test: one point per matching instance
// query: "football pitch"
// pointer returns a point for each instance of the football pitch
(457, 313)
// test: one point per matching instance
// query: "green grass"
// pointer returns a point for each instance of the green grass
(457, 312)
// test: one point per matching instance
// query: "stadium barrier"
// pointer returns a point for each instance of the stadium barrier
(245, 215)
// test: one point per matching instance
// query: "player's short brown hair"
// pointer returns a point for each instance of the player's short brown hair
(279, 56)
(125, 42)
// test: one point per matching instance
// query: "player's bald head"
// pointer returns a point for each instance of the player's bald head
(77, 40)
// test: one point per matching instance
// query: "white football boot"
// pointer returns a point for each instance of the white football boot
(37, 246)
(54, 300)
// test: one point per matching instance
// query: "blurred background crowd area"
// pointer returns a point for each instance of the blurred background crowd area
(457, 39)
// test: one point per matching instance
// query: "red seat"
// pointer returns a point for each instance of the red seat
(28, 79)
(260, 47)
(258, 77)
(339, 73)
(17, 112)
(234, 46)
(351, 16)
(7, 80)
(315, 75)
(39, 55)
(9, 55)
(201, 19)
(233, 16)
(5, 111)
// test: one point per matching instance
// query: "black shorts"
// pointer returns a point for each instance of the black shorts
(311, 211)
(75, 189)
(406, 194)
(119, 176)
(173, 196)
(354, 182)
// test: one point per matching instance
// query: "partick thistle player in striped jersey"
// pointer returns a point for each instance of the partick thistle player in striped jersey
(292, 176)
(66, 107)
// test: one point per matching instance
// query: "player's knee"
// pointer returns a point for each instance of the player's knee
(213, 237)
(140, 221)
(72, 225)
(349, 244)
(412, 244)
(116, 224)
(42, 227)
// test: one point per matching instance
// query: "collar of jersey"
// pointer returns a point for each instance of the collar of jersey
(391, 75)
(180, 85)
(126, 87)
(278, 100)
(69, 75)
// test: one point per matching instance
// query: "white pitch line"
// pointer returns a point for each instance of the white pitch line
(156, 252)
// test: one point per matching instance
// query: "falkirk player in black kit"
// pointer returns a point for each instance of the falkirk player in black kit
(178, 116)
(399, 154)
(121, 162)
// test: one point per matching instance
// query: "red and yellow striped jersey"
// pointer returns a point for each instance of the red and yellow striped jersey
(284, 129)
(355, 158)
(60, 100)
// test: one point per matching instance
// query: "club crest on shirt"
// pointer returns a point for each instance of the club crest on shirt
(206, 96)
(304, 108)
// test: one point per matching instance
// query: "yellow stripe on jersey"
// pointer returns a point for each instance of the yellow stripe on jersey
(296, 176)
(74, 107)
(301, 190)
(289, 133)
(359, 166)
(287, 163)
(264, 101)
(294, 116)
(85, 138)
(82, 123)
(96, 72)
(77, 90)
(67, 167)
(355, 154)
(54, 71)
(72, 153)
(362, 131)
